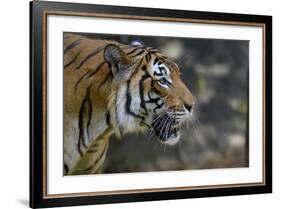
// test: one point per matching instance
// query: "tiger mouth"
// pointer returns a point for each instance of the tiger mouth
(167, 129)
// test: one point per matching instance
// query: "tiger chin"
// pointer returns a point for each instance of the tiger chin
(112, 88)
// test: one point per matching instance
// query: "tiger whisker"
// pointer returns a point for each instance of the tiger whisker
(195, 133)
(165, 126)
(155, 126)
(181, 60)
(189, 127)
(166, 131)
(156, 121)
(197, 122)
(171, 123)
(192, 128)
(161, 114)
(195, 125)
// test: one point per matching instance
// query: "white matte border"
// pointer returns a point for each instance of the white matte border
(57, 184)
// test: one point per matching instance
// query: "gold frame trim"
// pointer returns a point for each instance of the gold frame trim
(135, 17)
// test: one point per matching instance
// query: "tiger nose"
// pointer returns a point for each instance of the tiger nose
(188, 107)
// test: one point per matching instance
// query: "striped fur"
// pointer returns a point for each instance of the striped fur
(111, 88)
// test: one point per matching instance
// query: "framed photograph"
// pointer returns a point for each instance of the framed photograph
(140, 104)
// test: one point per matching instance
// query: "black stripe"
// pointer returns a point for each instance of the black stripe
(65, 167)
(141, 91)
(164, 57)
(80, 79)
(159, 55)
(73, 60)
(128, 102)
(116, 65)
(94, 148)
(148, 57)
(155, 61)
(163, 69)
(116, 111)
(80, 125)
(98, 159)
(135, 49)
(96, 145)
(109, 75)
(142, 51)
(155, 52)
(90, 110)
(169, 83)
(72, 45)
(158, 74)
(98, 139)
(107, 116)
(88, 74)
(152, 100)
(97, 69)
(98, 169)
(96, 51)
(137, 69)
(86, 103)
(158, 106)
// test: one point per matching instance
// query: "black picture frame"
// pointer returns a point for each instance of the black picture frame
(38, 12)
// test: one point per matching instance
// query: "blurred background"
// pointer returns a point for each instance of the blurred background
(216, 72)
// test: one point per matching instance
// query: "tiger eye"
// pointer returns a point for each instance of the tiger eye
(162, 81)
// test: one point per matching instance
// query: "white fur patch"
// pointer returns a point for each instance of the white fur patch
(172, 141)
(128, 122)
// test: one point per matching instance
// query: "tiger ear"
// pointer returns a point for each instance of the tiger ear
(116, 58)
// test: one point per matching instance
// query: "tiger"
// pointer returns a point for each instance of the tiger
(110, 88)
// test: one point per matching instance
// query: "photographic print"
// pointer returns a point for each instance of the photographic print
(139, 104)
(147, 103)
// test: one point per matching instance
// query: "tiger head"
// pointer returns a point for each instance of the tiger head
(147, 93)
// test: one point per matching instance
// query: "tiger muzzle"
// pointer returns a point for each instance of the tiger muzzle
(166, 127)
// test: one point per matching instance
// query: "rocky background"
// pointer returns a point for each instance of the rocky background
(216, 72)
